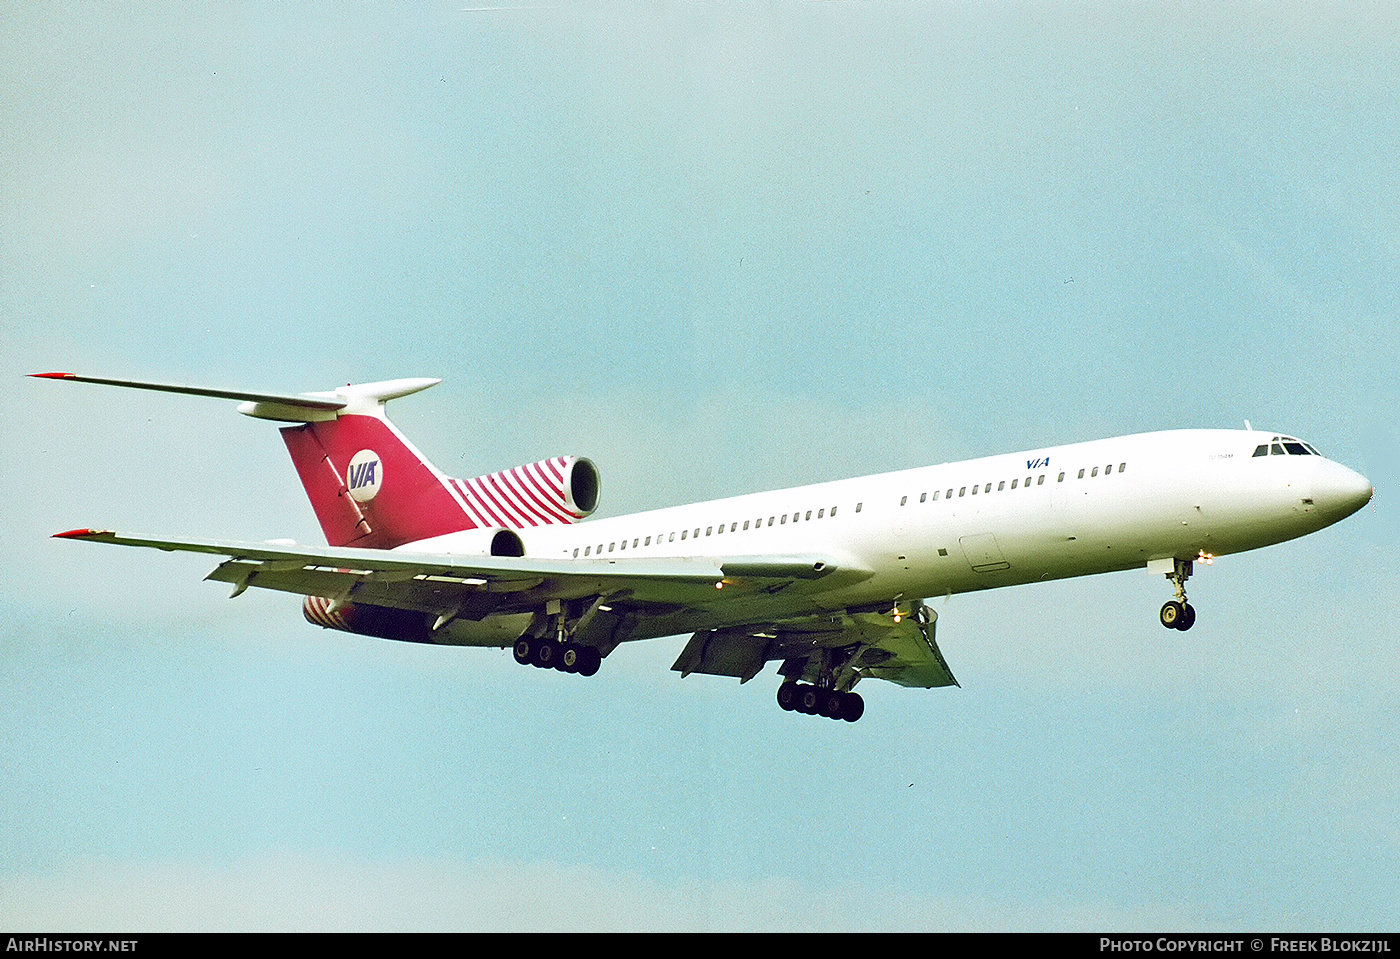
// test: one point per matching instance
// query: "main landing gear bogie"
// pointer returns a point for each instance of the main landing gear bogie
(815, 701)
(564, 656)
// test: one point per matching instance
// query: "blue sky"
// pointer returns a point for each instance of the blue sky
(715, 247)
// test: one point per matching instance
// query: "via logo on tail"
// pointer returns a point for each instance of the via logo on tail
(364, 476)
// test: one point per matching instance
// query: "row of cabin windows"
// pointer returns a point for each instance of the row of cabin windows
(733, 527)
(1039, 481)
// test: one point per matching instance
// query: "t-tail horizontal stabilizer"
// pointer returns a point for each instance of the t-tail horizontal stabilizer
(284, 407)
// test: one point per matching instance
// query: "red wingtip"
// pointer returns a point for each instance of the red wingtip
(53, 376)
(79, 533)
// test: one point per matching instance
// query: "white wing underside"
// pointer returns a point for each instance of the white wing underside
(873, 643)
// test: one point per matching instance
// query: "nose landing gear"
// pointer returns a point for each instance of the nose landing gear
(1178, 613)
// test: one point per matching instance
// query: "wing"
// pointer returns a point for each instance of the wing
(890, 643)
(449, 585)
(894, 644)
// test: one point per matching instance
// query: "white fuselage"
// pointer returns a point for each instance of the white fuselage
(1004, 520)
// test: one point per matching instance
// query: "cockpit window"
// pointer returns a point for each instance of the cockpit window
(1285, 446)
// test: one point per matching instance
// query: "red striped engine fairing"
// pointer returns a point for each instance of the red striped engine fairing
(563, 489)
(404, 625)
(318, 612)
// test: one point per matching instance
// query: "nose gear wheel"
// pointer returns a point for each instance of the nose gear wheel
(1178, 613)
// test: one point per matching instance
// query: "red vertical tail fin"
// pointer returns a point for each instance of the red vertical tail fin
(368, 485)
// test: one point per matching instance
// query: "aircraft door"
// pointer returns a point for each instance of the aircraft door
(983, 553)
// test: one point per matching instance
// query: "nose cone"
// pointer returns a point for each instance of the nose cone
(1338, 491)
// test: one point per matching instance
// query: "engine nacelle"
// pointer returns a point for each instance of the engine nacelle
(405, 625)
(583, 485)
(412, 626)
(563, 489)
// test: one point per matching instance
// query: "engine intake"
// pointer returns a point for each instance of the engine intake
(563, 489)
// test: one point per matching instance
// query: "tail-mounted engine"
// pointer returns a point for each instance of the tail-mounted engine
(563, 489)
(405, 625)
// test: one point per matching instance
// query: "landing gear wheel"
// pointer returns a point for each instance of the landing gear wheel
(546, 654)
(1177, 615)
(568, 658)
(1188, 617)
(787, 696)
(852, 707)
(589, 659)
(815, 701)
(522, 651)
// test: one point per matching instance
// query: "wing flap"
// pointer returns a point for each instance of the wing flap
(856, 644)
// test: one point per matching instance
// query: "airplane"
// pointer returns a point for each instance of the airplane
(828, 580)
